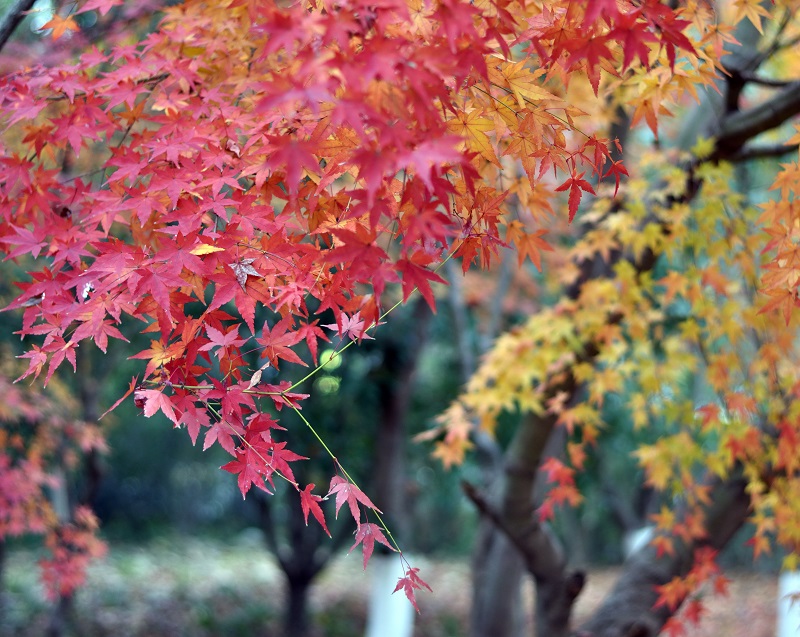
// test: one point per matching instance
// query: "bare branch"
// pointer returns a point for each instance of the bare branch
(764, 81)
(741, 126)
(763, 152)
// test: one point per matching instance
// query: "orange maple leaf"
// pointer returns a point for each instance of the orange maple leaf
(60, 25)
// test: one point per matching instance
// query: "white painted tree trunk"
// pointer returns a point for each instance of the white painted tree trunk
(788, 624)
(390, 615)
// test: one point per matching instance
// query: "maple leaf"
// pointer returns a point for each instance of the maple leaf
(249, 467)
(694, 610)
(242, 269)
(672, 593)
(37, 360)
(222, 341)
(131, 387)
(576, 186)
(60, 25)
(194, 418)
(154, 401)
(617, 169)
(409, 583)
(353, 327)
(528, 245)
(785, 299)
(310, 504)
(159, 354)
(277, 342)
(473, 127)
(367, 534)
(592, 51)
(418, 277)
(348, 492)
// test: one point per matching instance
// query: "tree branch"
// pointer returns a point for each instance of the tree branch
(763, 152)
(764, 81)
(739, 127)
(629, 608)
(16, 14)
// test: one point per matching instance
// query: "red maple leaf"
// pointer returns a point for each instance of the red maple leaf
(222, 341)
(223, 433)
(411, 582)
(576, 186)
(310, 504)
(366, 535)
(348, 492)
(156, 400)
(351, 326)
(278, 341)
(417, 277)
(249, 468)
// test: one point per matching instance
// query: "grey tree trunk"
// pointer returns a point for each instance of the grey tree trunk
(497, 574)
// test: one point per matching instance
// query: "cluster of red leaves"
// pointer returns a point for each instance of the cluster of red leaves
(673, 594)
(73, 546)
(300, 158)
(590, 37)
(38, 445)
(563, 491)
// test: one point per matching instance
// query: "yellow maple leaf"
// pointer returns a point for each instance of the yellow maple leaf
(656, 464)
(704, 147)
(159, 354)
(451, 452)
(472, 127)
(753, 11)
(205, 248)
(521, 82)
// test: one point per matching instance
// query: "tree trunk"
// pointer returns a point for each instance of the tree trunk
(295, 619)
(496, 586)
(13, 16)
(60, 617)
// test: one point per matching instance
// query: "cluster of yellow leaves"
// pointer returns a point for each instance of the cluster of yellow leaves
(684, 344)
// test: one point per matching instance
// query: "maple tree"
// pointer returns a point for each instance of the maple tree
(252, 167)
(39, 443)
(677, 298)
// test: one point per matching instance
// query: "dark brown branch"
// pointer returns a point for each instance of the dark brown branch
(764, 81)
(15, 14)
(741, 126)
(763, 152)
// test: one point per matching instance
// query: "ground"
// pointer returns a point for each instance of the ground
(204, 588)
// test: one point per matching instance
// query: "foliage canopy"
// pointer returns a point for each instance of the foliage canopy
(252, 166)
